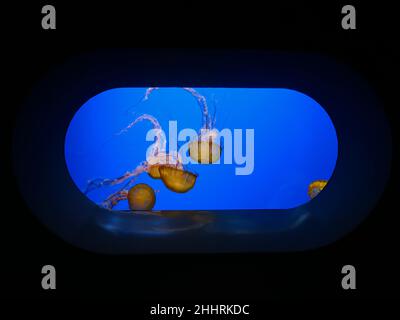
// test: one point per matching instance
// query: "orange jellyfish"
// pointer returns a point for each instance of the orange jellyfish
(163, 160)
(206, 149)
(121, 194)
(157, 156)
(141, 197)
(316, 187)
(176, 179)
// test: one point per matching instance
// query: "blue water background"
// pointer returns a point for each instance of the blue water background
(295, 144)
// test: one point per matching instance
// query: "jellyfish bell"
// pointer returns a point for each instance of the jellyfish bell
(204, 152)
(163, 159)
(154, 170)
(316, 187)
(176, 179)
(141, 197)
(205, 149)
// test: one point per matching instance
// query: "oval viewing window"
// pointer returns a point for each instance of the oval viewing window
(200, 148)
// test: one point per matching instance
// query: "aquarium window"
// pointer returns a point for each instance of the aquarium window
(156, 149)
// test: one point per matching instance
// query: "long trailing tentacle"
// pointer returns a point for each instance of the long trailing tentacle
(121, 194)
(214, 117)
(113, 199)
(98, 183)
(144, 98)
(153, 120)
(160, 143)
(148, 92)
(201, 100)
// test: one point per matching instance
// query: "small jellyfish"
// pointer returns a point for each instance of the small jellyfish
(154, 170)
(316, 187)
(141, 197)
(176, 179)
(205, 149)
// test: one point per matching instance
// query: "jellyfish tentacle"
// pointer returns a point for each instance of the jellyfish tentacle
(153, 120)
(121, 194)
(207, 136)
(159, 159)
(160, 143)
(142, 167)
(202, 102)
(213, 120)
(98, 183)
(114, 198)
(148, 92)
(143, 99)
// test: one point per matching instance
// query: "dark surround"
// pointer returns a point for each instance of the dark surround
(364, 151)
(306, 28)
